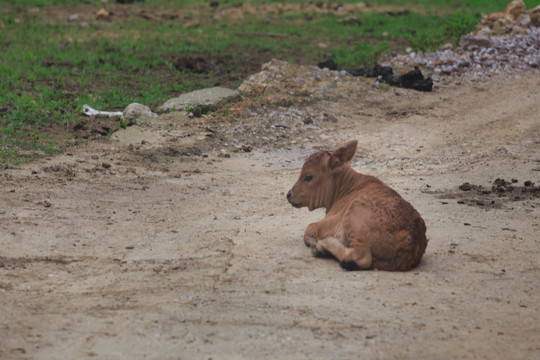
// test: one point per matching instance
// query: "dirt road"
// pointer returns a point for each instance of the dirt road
(156, 245)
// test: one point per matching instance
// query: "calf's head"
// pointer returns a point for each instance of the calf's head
(316, 185)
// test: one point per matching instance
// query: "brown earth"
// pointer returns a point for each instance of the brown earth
(174, 240)
(205, 69)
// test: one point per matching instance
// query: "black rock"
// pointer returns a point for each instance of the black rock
(415, 80)
(378, 71)
(411, 80)
(328, 63)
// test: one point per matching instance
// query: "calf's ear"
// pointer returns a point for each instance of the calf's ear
(342, 155)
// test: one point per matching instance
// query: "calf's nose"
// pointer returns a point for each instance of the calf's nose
(289, 195)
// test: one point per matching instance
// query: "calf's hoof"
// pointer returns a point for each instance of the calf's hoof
(314, 249)
(349, 265)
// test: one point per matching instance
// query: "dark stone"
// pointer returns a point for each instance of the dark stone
(328, 63)
(411, 80)
(415, 80)
(378, 71)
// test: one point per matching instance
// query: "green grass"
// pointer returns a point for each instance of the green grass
(50, 67)
(485, 6)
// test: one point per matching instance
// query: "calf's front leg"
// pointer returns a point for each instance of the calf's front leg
(320, 229)
(310, 235)
(311, 238)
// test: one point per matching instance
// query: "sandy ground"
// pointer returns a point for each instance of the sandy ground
(150, 245)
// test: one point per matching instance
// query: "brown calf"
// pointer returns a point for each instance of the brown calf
(367, 224)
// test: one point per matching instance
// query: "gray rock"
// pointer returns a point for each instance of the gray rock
(204, 100)
(256, 84)
(519, 30)
(447, 46)
(135, 111)
(468, 41)
(534, 15)
(534, 61)
(485, 31)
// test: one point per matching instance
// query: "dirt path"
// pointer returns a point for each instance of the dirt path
(150, 251)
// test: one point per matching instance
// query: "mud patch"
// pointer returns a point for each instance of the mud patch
(63, 170)
(95, 127)
(203, 63)
(501, 191)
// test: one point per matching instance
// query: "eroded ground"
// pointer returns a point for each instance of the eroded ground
(174, 240)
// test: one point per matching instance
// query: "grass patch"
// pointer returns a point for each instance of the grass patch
(363, 54)
(51, 66)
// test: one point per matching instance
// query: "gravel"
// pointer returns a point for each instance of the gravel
(508, 54)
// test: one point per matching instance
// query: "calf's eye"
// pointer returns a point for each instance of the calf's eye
(308, 178)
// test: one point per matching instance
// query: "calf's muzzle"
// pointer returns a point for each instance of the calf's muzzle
(290, 198)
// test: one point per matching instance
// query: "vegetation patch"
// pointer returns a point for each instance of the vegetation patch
(57, 55)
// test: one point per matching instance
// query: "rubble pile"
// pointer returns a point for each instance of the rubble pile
(514, 20)
(504, 43)
(284, 83)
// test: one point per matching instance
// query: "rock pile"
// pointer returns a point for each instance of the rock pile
(504, 43)
(515, 19)
(284, 83)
